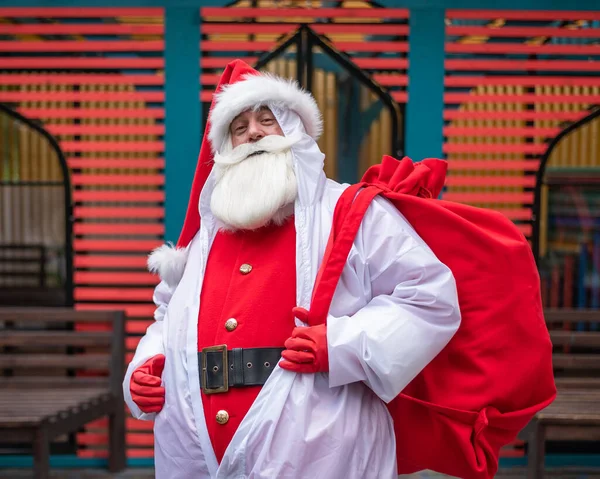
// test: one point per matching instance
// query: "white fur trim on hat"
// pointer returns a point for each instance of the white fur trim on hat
(258, 90)
(169, 263)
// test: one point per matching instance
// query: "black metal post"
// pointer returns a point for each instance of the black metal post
(300, 56)
(539, 179)
(365, 80)
(69, 220)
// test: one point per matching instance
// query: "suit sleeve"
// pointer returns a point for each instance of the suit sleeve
(409, 309)
(150, 345)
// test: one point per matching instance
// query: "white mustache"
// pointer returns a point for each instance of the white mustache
(268, 144)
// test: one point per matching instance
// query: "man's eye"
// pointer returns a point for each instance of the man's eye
(267, 120)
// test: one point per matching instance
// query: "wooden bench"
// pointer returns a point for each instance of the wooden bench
(23, 277)
(575, 414)
(56, 378)
(23, 265)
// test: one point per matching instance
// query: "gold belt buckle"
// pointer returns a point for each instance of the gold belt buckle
(222, 348)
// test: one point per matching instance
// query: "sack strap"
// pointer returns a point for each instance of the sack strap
(347, 218)
(391, 178)
(348, 215)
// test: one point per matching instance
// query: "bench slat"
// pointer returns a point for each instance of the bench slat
(571, 315)
(577, 383)
(45, 361)
(576, 361)
(56, 406)
(56, 382)
(56, 315)
(573, 406)
(588, 339)
(34, 407)
(54, 338)
(573, 433)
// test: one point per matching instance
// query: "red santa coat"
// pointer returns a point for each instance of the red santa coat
(384, 327)
(260, 302)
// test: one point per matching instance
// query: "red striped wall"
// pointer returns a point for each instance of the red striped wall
(104, 100)
(354, 31)
(513, 80)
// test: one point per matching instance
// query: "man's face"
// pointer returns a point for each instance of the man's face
(251, 126)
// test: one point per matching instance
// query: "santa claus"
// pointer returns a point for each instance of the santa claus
(236, 382)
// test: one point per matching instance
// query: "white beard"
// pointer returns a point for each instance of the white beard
(253, 191)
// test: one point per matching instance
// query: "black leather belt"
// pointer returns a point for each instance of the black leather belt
(243, 367)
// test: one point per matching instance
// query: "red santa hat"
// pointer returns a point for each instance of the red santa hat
(241, 88)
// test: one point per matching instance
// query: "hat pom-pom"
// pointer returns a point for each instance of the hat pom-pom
(169, 263)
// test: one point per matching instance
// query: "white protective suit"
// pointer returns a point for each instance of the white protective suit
(394, 310)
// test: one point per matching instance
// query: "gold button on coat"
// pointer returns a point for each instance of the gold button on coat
(231, 324)
(245, 268)
(222, 417)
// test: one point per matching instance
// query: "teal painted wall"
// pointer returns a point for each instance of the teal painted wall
(424, 110)
(425, 107)
(480, 4)
(183, 112)
(424, 119)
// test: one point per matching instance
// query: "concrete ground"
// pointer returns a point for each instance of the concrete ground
(513, 473)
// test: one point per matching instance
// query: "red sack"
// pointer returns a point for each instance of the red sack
(496, 372)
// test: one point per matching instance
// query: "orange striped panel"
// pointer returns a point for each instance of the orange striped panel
(87, 277)
(110, 262)
(116, 163)
(110, 126)
(79, 46)
(391, 79)
(81, 63)
(131, 439)
(549, 15)
(133, 327)
(68, 112)
(544, 49)
(111, 229)
(374, 47)
(152, 196)
(506, 131)
(113, 294)
(107, 179)
(522, 31)
(133, 311)
(116, 130)
(85, 212)
(521, 80)
(516, 181)
(517, 115)
(484, 197)
(493, 148)
(79, 29)
(285, 28)
(102, 453)
(74, 79)
(509, 89)
(376, 13)
(116, 245)
(524, 98)
(57, 12)
(132, 424)
(353, 31)
(78, 96)
(529, 65)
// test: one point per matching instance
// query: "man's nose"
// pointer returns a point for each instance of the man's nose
(255, 132)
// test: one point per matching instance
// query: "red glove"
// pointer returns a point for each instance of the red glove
(145, 385)
(306, 350)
